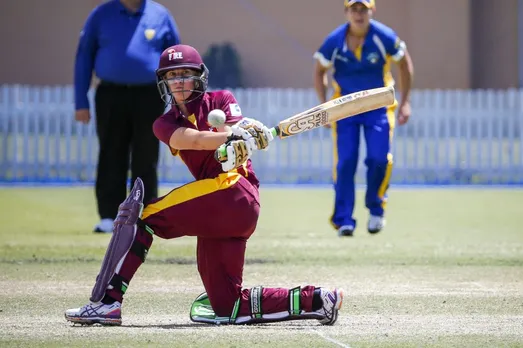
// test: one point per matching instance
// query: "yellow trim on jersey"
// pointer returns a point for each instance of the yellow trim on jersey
(192, 119)
(174, 152)
(337, 90)
(388, 80)
(237, 170)
(358, 52)
(191, 191)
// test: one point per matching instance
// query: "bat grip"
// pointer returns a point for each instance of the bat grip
(222, 150)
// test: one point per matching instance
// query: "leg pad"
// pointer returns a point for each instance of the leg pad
(122, 240)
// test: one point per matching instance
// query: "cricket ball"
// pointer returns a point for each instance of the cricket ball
(216, 118)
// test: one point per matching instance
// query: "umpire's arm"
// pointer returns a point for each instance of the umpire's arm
(173, 35)
(84, 62)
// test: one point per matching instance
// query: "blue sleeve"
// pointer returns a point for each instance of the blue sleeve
(84, 62)
(394, 46)
(172, 37)
(326, 50)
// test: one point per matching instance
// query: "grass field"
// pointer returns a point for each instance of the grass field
(447, 272)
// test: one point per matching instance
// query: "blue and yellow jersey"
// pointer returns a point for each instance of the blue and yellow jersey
(369, 66)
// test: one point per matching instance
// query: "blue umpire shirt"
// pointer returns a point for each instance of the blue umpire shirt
(122, 47)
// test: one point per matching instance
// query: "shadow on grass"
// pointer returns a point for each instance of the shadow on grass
(304, 326)
(167, 261)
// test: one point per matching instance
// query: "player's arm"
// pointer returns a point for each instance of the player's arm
(84, 61)
(192, 139)
(397, 49)
(406, 76)
(172, 36)
(320, 81)
(323, 59)
(183, 138)
(322, 62)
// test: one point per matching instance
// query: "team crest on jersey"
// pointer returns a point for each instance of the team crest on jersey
(149, 34)
(373, 58)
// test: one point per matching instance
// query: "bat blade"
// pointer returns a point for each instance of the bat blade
(334, 110)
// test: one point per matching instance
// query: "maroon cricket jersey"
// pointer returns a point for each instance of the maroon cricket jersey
(201, 163)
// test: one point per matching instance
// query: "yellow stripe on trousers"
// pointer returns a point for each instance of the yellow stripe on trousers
(191, 191)
(388, 172)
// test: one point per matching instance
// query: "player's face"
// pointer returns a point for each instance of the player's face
(359, 16)
(181, 83)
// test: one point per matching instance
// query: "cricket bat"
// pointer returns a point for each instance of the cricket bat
(334, 110)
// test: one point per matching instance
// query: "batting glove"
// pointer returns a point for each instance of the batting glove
(238, 152)
(261, 133)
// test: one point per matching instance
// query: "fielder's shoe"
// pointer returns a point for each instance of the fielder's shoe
(346, 231)
(104, 226)
(96, 313)
(376, 224)
(332, 301)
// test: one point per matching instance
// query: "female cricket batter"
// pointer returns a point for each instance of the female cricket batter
(221, 208)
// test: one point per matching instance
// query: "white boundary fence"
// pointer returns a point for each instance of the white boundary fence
(454, 137)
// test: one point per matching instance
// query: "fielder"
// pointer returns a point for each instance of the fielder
(360, 53)
(220, 208)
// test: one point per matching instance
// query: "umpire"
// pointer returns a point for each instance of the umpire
(122, 41)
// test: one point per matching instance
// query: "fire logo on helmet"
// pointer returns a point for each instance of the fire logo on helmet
(174, 55)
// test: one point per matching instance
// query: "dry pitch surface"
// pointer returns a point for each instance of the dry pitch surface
(447, 272)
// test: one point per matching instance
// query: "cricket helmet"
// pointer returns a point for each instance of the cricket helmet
(180, 57)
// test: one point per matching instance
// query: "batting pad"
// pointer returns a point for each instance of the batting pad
(202, 312)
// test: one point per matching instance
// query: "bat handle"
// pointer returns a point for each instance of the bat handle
(221, 152)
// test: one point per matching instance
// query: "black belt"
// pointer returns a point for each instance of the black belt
(127, 85)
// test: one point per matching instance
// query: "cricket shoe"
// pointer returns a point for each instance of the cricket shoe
(376, 224)
(96, 313)
(332, 301)
(346, 231)
(104, 226)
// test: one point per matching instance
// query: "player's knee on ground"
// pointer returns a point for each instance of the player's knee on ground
(254, 307)
(223, 302)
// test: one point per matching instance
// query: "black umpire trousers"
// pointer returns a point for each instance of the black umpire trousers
(124, 120)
